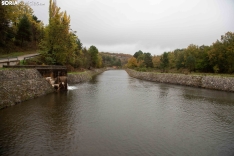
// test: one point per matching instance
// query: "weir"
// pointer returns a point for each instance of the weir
(56, 75)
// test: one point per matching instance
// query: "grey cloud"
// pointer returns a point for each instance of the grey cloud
(150, 25)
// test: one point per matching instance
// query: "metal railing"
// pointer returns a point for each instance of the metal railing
(37, 66)
(8, 60)
(29, 57)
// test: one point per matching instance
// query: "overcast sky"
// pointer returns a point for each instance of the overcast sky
(155, 26)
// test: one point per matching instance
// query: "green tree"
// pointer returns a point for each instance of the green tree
(119, 63)
(137, 54)
(148, 60)
(93, 52)
(86, 58)
(6, 32)
(37, 30)
(172, 60)
(164, 61)
(24, 32)
(180, 59)
(190, 63)
(79, 44)
(202, 60)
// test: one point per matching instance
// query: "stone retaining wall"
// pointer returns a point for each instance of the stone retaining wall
(17, 85)
(210, 82)
(83, 76)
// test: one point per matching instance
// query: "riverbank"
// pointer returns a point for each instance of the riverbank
(209, 82)
(85, 76)
(19, 85)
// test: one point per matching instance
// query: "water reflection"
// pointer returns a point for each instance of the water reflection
(164, 90)
(115, 114)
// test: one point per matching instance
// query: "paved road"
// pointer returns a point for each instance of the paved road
(19, 58)
(23, 56)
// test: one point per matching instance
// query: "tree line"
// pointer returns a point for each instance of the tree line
(110, 61)
(20, 29)
(140, 61)
(60, 44)
(216, 58)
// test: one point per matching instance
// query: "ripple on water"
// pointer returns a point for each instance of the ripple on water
(119, 115)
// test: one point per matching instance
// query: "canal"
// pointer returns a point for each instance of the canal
(119, 115)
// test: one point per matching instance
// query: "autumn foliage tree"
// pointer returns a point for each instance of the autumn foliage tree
(61, 46)
(143, 60)
(132, 62)
(59, 43)
(221, 55)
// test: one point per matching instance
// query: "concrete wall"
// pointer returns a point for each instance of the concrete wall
(210, 82)
(17, 85)
(83, 76)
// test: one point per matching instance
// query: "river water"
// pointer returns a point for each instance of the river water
(118, 115)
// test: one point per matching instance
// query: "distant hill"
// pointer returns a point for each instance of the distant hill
(115, 59)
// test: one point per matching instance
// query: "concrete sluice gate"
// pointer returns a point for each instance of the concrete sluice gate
(58, 83)
(55, 75)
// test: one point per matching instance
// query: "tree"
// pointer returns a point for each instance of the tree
(228, 42)
(24, 32)
(148, 60)
(86, 58)
(59, 43)
(93, 52)
(172, 60)
(221, 55)
(14, 17)
(119, 63)
(137, 54)
(99, 61)
(156, 61)
(6, 32)
(79, 44)
(22, 9)
(132, 62)
(180, 59)
(190, 63)
(202, 60)
(37, 30)
(141, 60)
(164, 61)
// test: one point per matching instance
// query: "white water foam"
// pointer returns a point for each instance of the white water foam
(72, 87)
